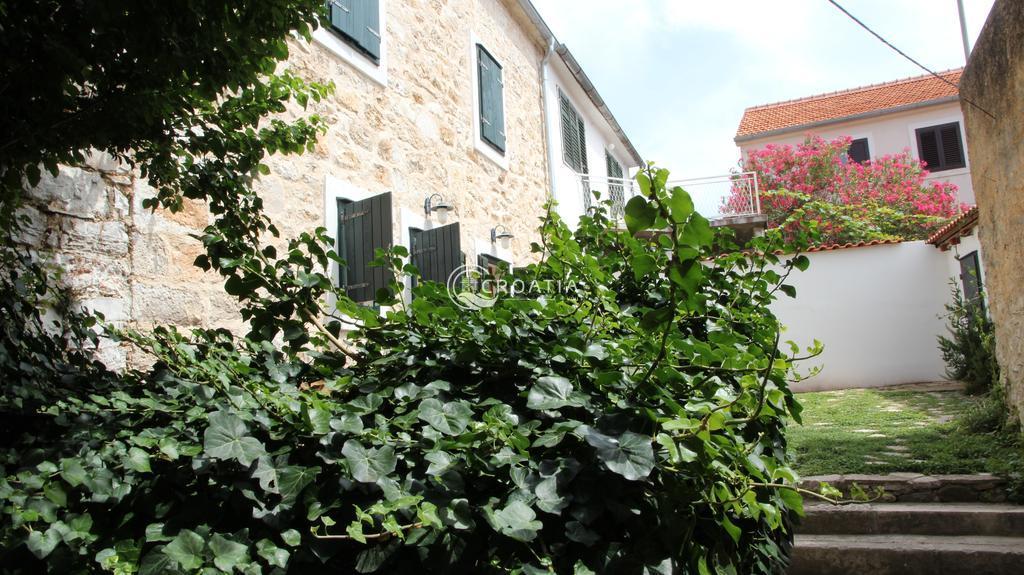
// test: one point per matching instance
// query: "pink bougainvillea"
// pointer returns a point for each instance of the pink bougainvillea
(887, 197)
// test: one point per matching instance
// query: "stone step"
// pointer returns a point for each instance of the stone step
(996, 519)
(906, 555)
(915, 487)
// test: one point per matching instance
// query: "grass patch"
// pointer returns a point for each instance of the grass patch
(873, 431)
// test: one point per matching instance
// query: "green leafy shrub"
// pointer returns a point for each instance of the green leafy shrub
(970, 349)
(632, 424)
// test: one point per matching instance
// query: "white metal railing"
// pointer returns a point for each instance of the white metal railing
(714, 197)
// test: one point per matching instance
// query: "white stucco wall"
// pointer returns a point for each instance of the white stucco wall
(599, 135)
(877, 311)
(890, 134)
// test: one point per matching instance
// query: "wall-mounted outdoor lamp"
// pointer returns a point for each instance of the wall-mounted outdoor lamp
(501, 236)
(439, 206)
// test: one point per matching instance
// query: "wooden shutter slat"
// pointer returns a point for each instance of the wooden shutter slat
(928, 148)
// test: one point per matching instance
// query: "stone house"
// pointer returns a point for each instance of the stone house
(920, 114)
(451, 125)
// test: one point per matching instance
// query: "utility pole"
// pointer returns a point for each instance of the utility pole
(963, 30)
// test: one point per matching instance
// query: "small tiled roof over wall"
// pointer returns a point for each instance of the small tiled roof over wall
(847, 103)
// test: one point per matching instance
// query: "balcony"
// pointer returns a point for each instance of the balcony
(727, 200)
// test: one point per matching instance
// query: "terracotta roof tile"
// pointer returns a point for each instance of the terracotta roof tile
(830, 247)
(846, 103)
(950, 233)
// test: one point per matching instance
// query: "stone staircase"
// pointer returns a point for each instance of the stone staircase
(916, 532)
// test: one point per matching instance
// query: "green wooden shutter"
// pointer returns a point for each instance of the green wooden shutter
(492, 105)
(570, 133)
(437, 252)
(367, 17)
(358, 21)
(341, 17)
(363, 227)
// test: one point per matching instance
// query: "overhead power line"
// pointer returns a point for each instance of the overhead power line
(904, 54)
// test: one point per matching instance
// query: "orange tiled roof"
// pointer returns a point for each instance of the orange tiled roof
(846, 103)
(950, 233)
(830, 247)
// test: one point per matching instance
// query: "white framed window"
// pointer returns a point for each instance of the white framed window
(936, 133)
(489, 104)
(359, 222)
(356, 34)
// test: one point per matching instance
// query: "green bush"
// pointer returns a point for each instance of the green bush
(632, 424)
(970, 349)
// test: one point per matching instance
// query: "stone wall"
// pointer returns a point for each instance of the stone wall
(994, 82)
(413, 137)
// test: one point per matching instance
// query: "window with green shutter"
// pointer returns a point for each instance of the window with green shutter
(358, 23)
(574, 136)
(363, 227)
(437, 252)
(491, 96)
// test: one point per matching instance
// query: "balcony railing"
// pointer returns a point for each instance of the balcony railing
(714, 197)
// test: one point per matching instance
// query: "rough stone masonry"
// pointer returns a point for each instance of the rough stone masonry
(992, 98)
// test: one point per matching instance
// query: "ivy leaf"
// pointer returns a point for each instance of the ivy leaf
(576, 531)
(517, 520)
(440, 461)
(138, 460)
(293, 479)
(793, 500)
(156, 562)
(552, 392)
(226, 553)
(186, 550)
(273, 554)
(42, 543)
(631, 455)
(450, 418)
(371, 559)
(227, 437)
(368, 465)
(548, 498)
(291, 537)
(347, 423)
(639, 214)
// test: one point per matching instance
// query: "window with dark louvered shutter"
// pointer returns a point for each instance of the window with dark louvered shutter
(436, 253)
(941, 147)
(358, 23)
(363, 227)
(492, 104)
(574, 136)
(859, 151)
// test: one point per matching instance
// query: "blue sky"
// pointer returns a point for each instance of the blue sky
(677, 74)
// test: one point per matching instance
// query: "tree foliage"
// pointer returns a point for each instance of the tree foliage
(632, 424)
(969, 349)
(888, 197)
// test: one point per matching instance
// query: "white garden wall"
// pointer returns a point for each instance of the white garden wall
(876, 310)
